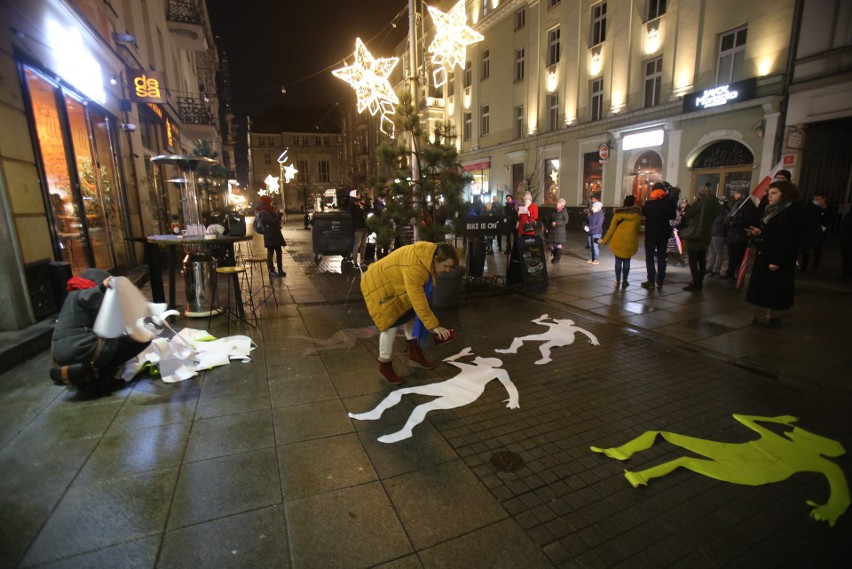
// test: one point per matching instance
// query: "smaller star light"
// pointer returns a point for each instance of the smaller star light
(272, 184)
(451, 40)
(369, 77)
(289, 173)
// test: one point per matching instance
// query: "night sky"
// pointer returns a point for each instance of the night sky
(271, 44)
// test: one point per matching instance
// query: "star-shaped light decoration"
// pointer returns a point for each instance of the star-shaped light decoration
(272, 184)
(289, 173)
(369, 77)
(554, 175)
(452, 37)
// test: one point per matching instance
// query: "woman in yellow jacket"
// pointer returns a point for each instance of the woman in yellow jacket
(398, 288)
(623, 238)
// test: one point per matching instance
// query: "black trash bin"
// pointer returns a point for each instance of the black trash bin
(60, 274)
(332, 234)
(476, 256)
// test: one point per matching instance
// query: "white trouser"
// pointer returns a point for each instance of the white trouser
(387, 337)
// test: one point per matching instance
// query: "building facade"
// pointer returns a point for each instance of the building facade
(568, 98)
(90, 91)
(308, 140)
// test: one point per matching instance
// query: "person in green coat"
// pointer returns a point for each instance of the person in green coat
(696, 236)
(623, 238)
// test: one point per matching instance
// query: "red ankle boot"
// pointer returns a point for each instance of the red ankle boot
(386, 369)
(416, 357)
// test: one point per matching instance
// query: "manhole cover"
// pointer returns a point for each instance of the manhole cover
(507, 461)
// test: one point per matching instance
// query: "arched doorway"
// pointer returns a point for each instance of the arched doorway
(725, 165)
(646, 172)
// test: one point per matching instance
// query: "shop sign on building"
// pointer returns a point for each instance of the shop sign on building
(603, 151)
(146, 86)
(720, 96)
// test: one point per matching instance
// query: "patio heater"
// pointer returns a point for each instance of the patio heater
(199, 266)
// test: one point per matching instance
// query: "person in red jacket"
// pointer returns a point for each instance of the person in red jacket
(527, 214)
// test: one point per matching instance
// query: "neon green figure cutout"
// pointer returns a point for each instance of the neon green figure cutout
(771, 458)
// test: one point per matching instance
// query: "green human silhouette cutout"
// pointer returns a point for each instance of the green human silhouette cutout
(770, 458)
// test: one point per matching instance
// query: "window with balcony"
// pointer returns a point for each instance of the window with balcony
(468, 74)
(519, 121)
(519, 64)
(596, 100)
(467, 122)
(599, 23)
(653, 79)
(553, 111)
(486, 63)
(553, 46)
(324, 171)
(732, 47)
(656, 8)
(485, 120)
(520, 19)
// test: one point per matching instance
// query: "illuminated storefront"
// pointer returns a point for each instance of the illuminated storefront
(478, 188)
(75, 141)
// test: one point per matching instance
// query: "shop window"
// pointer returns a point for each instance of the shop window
(75, 142)
(725, 165)
(592, 175)
(646, 172)
(551, 181)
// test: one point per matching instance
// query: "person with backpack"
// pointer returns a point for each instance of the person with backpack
(268, 222)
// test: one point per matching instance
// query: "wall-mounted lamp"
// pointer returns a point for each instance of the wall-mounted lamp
(113, 80)
(759, 129)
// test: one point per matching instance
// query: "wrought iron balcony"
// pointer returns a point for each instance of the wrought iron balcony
(194, 111)
(184, 11)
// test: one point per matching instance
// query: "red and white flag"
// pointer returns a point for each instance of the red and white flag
(787, 161)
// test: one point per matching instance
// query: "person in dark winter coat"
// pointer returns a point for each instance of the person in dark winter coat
(742, 214)
(659, 212)
(359, 223)
(818, 213)
(510, 212)
(75, 342)
(273, 239)
(595, 230)
(718, 243)
(699, 216)
(556, 236)
(772, 283)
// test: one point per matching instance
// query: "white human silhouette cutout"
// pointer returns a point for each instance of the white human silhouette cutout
(463, 389)
(559, 334)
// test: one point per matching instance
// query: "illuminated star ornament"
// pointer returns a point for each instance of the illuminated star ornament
(452, 36)
(289, 173)
(369, 77)
(272, 184)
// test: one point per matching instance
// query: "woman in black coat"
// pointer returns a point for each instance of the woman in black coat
(273, 239)
(773, 276)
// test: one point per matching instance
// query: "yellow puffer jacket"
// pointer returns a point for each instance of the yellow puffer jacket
(394, 284)
(623, 232)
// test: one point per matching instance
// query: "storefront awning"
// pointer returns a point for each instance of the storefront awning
(481, 165)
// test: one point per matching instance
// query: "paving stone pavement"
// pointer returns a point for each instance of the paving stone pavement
(258, 464)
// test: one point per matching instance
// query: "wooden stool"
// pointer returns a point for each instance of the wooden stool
(262, 291)
(233, 275)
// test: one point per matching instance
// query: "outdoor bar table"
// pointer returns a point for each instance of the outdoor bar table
(174, 243)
